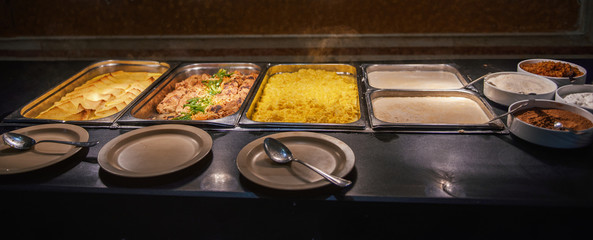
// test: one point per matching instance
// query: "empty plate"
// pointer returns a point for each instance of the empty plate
(322, 151)
(155, 150)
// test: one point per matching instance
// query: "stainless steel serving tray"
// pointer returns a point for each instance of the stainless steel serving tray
(27, 113)
(345, 69)
(496, 127)
(368, 68)
(143, 112)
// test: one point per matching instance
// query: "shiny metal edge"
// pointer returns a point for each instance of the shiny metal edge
(367, 68)
(145, 108)
(340, 68)
(496, 126)
(23, 114)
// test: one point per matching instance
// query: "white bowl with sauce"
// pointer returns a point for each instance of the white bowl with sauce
(550, 137)
(560, 81)
(505, 88)
(566, 90)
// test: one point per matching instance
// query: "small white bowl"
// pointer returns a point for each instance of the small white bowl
(565, 90)
(549, 137)
(560, 81)
(507, 97)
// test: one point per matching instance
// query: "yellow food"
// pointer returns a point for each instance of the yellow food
(309, 96)
(100, 97)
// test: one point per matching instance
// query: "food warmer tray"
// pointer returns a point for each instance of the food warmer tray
(496, 126)
(435, 67)
(144, 112)
(24, 114)
(345, 69)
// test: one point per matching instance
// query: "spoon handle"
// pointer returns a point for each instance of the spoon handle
(530, 101)
(335, 180)
(475, 81)
(78, 144)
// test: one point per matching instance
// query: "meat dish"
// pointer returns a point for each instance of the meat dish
(206, 97)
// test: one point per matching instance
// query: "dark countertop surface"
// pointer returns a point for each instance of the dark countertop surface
(413, 184)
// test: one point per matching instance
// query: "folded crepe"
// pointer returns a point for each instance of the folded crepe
(100, 97)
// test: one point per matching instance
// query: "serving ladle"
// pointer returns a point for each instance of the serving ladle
(279, 153)
(23, 142)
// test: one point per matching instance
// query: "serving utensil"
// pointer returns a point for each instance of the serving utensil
(530, 101)
(474, 81)
(279, 153)
(23, 142)
(560, 126)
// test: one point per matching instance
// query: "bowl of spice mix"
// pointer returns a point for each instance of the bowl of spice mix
(537, 123)
(577, 94)
(561, 72)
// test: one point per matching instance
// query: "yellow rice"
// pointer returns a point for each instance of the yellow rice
(308, 96)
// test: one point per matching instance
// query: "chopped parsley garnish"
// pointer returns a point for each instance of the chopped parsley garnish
(213, 86)
(199, 104)
(222, 73)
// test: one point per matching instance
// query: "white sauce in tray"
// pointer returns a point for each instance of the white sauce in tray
(429, 110)
(414, 80)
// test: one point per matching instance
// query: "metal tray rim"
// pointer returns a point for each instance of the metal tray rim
(17, 117)
(225, 122)
(361, 123)
(368, 86)
(497, 126)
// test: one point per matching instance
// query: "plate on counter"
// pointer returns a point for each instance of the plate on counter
(43, 154)
(322, 151)
(155, 150)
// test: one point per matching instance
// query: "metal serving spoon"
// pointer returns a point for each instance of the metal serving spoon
(279, 153)
(23, 142)
(559, 126)
(474, 81)
(530, 101)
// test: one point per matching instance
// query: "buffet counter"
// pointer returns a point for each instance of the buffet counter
(406, 183)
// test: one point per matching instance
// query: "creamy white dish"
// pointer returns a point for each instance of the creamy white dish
(414, 80)
(522, 84)
(581, 99)
(429, 110)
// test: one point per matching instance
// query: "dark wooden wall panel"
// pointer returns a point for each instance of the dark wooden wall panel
(247, 17)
